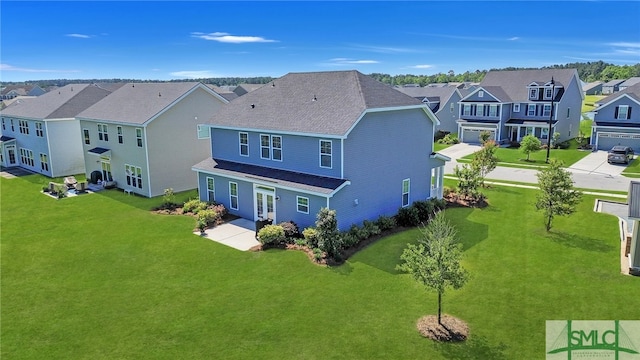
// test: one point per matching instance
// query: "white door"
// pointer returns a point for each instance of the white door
(11, 155)
(265, 206)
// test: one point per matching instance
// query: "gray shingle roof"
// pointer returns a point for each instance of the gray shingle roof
(314, 102)
(631, 81)
(613, 82)
(632, 91)
(515, 82)
(136, 103)
(65, 102)
(442, 93)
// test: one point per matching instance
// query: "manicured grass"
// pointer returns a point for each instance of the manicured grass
(100, 277)
(585, 127)
(515, 157)
(589, 101)
(438, 147)
(633, 169)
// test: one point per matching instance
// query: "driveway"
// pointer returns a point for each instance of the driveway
(596, 163)
(455, 152)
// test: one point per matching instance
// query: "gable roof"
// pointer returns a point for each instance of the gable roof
(136, 103)
(65, 102)
(632, 92)
(443, 94)
(591, 85)
(630, 82)
(327, 103)
(515, 82)
(613, 82)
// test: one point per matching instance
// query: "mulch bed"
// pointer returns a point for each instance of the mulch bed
(453, 330)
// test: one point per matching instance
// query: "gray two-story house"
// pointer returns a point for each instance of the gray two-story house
(513, 104)
(617, 120)
(442, 100)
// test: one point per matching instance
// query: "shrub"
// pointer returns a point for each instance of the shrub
(440, 134)
(329, 239)
(317, 254)
(301, 242)
(271, 235)
(438, 204)
(447, 190)
(220, 209)
(350, 238)
(194, 206)
(408, 216)
(386, 223)
(449, 139)
(564, 145)
(424, 208)
(370, 228)
(209, 216)
(311, 236)
(169, 197)
(291, 230)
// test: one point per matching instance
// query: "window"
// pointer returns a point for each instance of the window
(531, 110)
(325, 153)
(3, 125)
(405, 192)
(203, 132)
(39, 129)
(244, 143)
(547, 110)
(547, 93)
(233, 195)
(533, 93)
(466, 110)
(480, 93)
(568, 112)
(516, 108)
(451, 107)
(276, 145)
(120, 138)
(134, 175)
(24, 127)
(12, 127)
(85, 133)
(303, 204)
(211, 190)
(480, 110)
(44, 162)
(544, 134)
(139, 136)
(264, 147)
(26, 157)
(529, 130)
(103, 132)
(623, 112)
(493, 110)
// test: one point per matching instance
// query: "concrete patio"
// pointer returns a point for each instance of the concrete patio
(238, 234)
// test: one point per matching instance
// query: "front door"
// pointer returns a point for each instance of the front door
(265, 206)
(11, 156)
(106, 170)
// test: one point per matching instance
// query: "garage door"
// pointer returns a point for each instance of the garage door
(608, 140)
(472, 136)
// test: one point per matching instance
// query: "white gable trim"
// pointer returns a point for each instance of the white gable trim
(480, 88)
(618, 98)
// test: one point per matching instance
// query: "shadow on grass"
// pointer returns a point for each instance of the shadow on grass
(579, 242)
(476, 347)
(470, 233)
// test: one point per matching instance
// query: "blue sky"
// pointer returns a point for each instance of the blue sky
(180, 40)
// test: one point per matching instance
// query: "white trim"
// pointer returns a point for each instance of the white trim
(513, 109)
(298, 204)
(320, 154)
(408, 180)
(146, 151)
(206, 187)
(240, 133)
(237, 196)
(618, 98)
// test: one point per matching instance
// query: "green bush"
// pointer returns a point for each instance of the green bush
(317, 254)
(210, 216)
(408, 216)
(425, 209)
(449, 139)
(301, 242)
(194, 206)
(370, 228)
(350, 239)
(311, 236)
(386, 223)
(271, 235)
(438, 204)
(291, 231)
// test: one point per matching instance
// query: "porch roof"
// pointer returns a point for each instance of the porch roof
(4, 139)
(617, 124)
(99, 151)
(529, 122)
(287, 179)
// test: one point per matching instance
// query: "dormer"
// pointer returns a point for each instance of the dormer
(542, 91)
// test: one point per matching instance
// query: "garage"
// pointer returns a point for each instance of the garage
(472, 136)
(607, 140)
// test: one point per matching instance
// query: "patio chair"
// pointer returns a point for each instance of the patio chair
(80, 187)
(70, 181)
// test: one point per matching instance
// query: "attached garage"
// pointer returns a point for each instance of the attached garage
(607, 140)
(472, 135)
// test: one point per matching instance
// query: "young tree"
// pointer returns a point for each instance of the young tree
(484, 136)
(484, 159)
(530, 144)
(329, 239)
(557, 195)
(468, 181)
(435, 260)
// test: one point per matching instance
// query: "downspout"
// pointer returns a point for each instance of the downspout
(146, 153)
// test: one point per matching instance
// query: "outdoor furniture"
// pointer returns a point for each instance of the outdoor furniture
(70, 181)
(80, 187)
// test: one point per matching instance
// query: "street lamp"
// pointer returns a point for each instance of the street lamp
(553, 93)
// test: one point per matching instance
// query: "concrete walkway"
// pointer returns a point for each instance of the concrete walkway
(239, 234)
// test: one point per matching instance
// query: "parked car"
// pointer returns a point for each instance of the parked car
(620, 154)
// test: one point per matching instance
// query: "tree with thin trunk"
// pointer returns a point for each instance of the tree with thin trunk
(485, 160)
(530, 144)
(557, 195)
(435, 260)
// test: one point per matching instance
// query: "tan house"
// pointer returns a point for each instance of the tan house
(143, 138)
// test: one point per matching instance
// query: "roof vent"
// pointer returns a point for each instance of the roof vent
(253, 106)
(273, 84)
(159, 95)
(133, 85)
(314, 98)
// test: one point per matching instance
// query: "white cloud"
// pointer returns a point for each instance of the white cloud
(194, 74)
(79, 36)
(346, 61)
(7, 67)
(422, 66)
(384, 49)
(230, 39)
(513, 38)
(625, 44)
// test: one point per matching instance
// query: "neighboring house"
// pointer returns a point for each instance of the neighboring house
(592, 88)
(243, 89)
(224, 91)
(11, 91)
(443, 101)
(340, 140)
(144, 136)
(629, 82)
(513, 104)
(41, 134)
(617, 120)
(633, 245)
(611, 86)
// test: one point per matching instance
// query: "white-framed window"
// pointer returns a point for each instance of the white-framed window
(406, 186)
(516, 107)
(531, 110)
(528, 130)
(203, 132)
(622, 112)
(243, 139)
(44, 162)
(533, 93)
(303, 204)
(544, 134)
(548, 93)
(233, 195)
(120, 135)
(265, 151)
(85, 134)
(451, 107)
(12, 127)
(26, 157)
(480, 93)
(39, 129)
(546, 111)
(493, 110)
(325, 154)
(276, 147)
(271, 147)
(139, 136)
(211, 189)
(480, 110)
(568, 112)
(23, 125)
(4, 127)
(103, 132)
(134, 175)
(466, 109)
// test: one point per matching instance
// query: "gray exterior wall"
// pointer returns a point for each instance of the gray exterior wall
(624, 132)
(447, 117)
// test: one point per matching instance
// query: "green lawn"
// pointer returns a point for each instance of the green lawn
(633, 169)
(585, 127)
(589, 101)
(439, 147)
(515, 157)
(100, 277)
